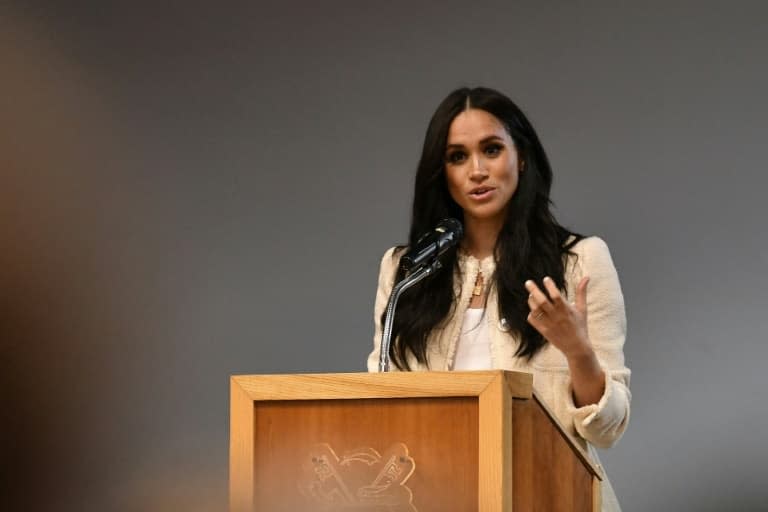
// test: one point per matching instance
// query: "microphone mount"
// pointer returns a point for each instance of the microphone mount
(411, 279)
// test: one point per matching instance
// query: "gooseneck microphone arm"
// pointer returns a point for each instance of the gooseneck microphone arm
(420, 262)
(389, 317)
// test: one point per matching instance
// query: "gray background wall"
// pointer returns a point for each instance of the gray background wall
(191, 191)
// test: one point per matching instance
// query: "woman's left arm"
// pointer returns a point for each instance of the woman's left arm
(565, 326)
(590, 333)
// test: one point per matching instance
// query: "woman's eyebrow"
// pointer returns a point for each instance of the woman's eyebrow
(484, 140)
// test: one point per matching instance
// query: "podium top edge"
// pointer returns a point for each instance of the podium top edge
(320, 386)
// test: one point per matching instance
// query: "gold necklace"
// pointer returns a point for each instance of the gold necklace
(478, 289)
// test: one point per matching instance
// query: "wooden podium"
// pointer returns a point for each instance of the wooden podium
(422, 441)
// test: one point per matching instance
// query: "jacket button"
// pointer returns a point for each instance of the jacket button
(504, 325)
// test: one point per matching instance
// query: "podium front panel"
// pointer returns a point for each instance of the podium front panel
(390, 454)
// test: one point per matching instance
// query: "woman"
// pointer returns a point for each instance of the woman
(521, 292)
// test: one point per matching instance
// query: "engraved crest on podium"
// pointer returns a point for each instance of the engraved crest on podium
(360, 480)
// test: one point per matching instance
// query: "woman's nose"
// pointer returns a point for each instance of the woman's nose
(478, 170)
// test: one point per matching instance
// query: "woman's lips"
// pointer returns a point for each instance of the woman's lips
(482, 193)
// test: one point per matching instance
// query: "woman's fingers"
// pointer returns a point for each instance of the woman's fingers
(554, 293)
(552, 302)
(563, 324)
(537, 300)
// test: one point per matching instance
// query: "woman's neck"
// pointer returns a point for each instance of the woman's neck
(480, 236)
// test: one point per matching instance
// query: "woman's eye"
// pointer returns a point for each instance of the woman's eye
(493, 149)
(456, 157)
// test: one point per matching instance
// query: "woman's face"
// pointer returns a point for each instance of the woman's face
(481, 165)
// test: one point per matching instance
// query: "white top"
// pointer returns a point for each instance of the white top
(473, 351)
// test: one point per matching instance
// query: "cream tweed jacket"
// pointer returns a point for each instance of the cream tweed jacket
(600, 424)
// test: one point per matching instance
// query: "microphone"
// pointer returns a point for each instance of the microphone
(420, 262)
(433, 244)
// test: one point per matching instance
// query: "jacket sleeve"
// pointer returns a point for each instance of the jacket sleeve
(603, 423)
(387, 271)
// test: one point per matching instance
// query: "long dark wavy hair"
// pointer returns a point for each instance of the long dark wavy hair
(530, 245)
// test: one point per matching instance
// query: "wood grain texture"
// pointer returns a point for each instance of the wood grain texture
(597, 495)
(595, 469)
(379, 385)
(495, 452)
(440, 433)
(241, 416)
(548, 475)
